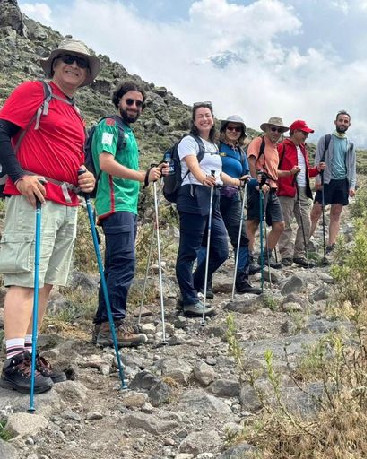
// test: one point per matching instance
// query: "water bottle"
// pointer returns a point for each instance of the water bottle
(167, 158)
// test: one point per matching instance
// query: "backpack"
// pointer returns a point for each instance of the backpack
(172, 182)
(88, 156)
(42, 110)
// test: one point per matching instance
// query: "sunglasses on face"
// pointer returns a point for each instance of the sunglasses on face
(234, 128)
(131, 102)
(205, 104)
(69, 59)
(276, 129)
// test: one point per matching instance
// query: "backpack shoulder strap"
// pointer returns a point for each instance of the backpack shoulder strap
(200, 143)
(327, 139)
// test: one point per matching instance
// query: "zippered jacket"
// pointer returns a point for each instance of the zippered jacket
(328, 156)
(288, 158)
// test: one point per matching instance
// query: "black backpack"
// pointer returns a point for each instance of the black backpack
(42, 110)
(172, 182)
(88, 156)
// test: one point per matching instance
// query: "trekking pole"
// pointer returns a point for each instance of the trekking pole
(146, 274)
(244, 200)
(323, 214)
(302, 224)
(261, 205)
(208, 249)
(104, 285)
(35, 303)
(164, 341)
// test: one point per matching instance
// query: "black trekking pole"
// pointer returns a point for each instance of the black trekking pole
(208, 249)
(324, 261)
(244, 201)
(302, 224)
(104, 285)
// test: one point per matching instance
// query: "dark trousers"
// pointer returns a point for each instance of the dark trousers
(231, 208)
(193, 234)
(120, 230)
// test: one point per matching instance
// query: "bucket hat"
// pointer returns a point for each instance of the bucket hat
(274, 121)
(75, 47)
(300, 125)
(232, 119)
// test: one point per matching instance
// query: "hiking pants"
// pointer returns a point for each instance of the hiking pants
(292, 208)
(193, 234)
(120, 231)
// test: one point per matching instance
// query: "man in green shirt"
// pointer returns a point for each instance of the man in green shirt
(116, 157)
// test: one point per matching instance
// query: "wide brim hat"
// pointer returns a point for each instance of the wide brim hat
(232, 119)
(74, 47)
(274, 121)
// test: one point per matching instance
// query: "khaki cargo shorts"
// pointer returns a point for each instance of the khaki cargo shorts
(17, 246)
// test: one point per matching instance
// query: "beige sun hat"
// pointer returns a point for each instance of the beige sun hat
(232, 119)
(274, 121)
(71, 46)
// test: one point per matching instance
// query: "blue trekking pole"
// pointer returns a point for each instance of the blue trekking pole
(104, 285)
(35, 303)
(323, 215)
(208, 250)
(261, 212)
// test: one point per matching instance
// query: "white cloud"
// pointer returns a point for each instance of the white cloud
(38, 10)
(273, 79)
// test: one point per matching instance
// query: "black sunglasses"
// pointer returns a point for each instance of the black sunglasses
(234, 128)
(277, 129)
(131, 102)
(69, 59)
(205, 104)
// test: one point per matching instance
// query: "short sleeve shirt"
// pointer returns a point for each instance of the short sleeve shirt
(210, 162)
(115, 194)
(55, 150)
(268, 161)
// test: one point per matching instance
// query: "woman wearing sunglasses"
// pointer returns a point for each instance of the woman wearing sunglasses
(234, 163)
(193, 203)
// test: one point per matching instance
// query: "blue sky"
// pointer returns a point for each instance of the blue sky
(292, 58)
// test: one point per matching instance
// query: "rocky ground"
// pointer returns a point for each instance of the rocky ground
(184, 399)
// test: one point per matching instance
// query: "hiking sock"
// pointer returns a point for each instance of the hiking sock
(14, 346)
(28, 343)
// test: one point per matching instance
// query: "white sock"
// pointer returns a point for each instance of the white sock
(14, 346)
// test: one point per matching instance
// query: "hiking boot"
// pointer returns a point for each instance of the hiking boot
(46, 370)
(329, 249)
(209, 293)
(126, 336)
(301, 261)
(95, 332)
(254, 268)
(287, 261)
(246, 287)
(16, 375)
(197, 309)
(269, 261)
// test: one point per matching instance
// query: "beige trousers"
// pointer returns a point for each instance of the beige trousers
(298, 208)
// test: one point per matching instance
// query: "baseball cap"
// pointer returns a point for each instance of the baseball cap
(300, 125)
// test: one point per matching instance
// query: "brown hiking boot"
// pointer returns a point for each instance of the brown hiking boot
(126, 336)
(44, 367)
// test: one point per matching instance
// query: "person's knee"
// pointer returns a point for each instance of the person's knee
(316, 212)
(335, 212)
(278, 227)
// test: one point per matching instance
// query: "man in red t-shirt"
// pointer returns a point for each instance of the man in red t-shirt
(41, 145)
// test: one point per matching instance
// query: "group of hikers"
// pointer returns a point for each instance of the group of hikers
(42, 140)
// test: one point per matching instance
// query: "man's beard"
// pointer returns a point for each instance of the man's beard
(128, 119)
(341, 129)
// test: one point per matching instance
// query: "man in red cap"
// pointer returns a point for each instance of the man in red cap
(294, 191)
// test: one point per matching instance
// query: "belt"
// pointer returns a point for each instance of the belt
(66, 187)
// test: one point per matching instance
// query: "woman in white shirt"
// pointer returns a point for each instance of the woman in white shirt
(193, 207)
